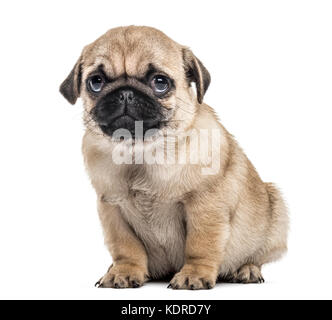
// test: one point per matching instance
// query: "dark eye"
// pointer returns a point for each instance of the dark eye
(160, 84)
(96, 83)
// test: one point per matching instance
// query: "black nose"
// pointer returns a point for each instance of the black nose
(126, 96)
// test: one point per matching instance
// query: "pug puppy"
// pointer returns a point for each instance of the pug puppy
(169, 218)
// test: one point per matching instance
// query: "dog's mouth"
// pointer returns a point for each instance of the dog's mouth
(135, 116)
(127, 127)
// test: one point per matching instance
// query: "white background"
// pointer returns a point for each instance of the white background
(271, 68)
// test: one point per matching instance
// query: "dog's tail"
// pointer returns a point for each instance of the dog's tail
(279, 222)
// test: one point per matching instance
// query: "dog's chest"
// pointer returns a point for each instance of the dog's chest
(157, 216)
(160, 226)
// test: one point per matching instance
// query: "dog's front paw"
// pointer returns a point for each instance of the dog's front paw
(123, 276)
(193, 278)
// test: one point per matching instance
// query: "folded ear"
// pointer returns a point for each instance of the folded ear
(196, 72)
(71, 87)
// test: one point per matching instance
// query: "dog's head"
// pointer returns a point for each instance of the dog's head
(137, 74)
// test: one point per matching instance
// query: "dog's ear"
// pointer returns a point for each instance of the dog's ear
(71, 86)
(196, 72)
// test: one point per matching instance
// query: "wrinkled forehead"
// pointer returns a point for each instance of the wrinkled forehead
(133, 54)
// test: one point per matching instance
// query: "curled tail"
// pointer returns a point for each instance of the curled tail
(277, 243)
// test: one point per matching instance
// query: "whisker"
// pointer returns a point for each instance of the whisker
(184, 102)
(185, 109)
(173, 120)
(192, 113)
